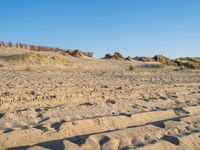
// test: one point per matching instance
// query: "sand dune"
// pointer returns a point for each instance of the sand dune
(62, 102)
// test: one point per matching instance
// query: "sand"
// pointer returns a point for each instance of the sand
(63, 102)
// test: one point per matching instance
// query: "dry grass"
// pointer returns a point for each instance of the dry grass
(36, 58)
(170, 63)
(17, 57)
(1, 65)
(186, 62)
(191, 63)
(131, 68)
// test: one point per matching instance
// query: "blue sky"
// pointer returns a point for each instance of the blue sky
(132, 27)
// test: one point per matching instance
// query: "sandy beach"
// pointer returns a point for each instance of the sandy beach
(63, 102)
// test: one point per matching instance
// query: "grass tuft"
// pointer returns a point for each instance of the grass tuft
(131, 68)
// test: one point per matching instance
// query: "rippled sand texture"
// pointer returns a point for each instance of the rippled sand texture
(62, 102)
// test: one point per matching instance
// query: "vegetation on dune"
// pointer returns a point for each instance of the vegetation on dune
(53, 57)
(33, 57)
(1, 65)
(116, 55)
(131, 68)
(108, 56)
(194, 59)
(144, 59)
(22, 57)
(186, 62)
(128, 58)
(170, 63)
(192, 63)
(16, 57)
(46, 48)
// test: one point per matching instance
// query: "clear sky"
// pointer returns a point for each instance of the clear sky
(132, 27)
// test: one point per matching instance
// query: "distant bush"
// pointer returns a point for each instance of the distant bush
(131, 68)
(129, 58)
(170, 62)
(116, 55)
(191, 63)
(1, 65)
(44, 48)
(108, 56)
(53, 57)
(23, 57)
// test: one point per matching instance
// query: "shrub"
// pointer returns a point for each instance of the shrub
(191, 65)
(170, 63)
(131, 68)
(108, 56)
(53, 57)
(17, 57)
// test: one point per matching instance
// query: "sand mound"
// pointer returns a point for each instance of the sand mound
(77, 53)
(188, 62)
(161, 58)
(35, 58)
(117, 55)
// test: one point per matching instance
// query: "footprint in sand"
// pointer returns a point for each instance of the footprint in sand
(180, 112)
